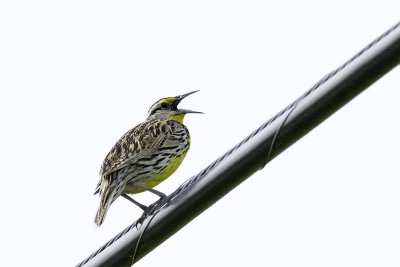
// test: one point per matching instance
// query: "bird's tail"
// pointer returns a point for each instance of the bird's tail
(107, 191)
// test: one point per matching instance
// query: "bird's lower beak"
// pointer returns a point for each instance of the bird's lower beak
(186, 111)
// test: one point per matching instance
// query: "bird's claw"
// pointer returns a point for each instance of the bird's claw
(151, 210)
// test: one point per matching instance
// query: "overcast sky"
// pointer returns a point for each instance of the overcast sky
(75, 75)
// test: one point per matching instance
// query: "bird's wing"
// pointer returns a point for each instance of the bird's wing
(140, 142)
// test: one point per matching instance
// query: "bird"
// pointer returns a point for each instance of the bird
(145, 156)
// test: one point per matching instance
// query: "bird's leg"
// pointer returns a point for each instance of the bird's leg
(143, 207)
(152, 190)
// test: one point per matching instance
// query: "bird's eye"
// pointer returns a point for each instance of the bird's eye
(164, 105)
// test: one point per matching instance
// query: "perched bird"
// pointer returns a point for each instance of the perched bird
(145, 156)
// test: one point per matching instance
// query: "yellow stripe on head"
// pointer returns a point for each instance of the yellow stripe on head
(168, 100)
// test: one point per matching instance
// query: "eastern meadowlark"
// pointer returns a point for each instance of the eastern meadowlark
(145, 156)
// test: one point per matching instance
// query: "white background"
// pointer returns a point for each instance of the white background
(75, 75)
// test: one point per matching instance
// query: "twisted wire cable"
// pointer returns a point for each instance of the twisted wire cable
(284, 114)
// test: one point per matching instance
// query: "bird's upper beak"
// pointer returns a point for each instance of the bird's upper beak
(179, 99)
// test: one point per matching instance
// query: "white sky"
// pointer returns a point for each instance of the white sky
(75, 75)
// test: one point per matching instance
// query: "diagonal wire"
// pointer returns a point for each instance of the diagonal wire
(155, 208)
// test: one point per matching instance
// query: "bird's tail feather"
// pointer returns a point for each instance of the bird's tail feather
(106, 198)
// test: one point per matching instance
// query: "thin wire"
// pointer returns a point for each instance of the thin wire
(154, 209)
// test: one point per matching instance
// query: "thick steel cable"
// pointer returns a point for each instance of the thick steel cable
(271, 138)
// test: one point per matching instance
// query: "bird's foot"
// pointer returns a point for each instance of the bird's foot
(151, 210)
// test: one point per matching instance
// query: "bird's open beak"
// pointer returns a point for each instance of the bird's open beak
(179, 99)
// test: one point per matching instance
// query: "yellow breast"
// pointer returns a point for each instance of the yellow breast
(158, 177)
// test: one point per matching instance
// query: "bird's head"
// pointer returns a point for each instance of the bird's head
(167, 109)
